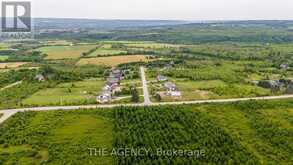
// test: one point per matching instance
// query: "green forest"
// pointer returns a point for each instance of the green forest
(252, 132)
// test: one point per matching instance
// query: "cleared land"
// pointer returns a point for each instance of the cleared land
(65, 52)
(67, 94)
(252, 132)
(114, 60)
(11, 65)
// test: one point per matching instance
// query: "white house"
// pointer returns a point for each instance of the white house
(105, 97)
(161, 78)
(174, 93)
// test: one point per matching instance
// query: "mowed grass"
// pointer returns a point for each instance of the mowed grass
(65, 52)
(114, 60)
(83, 92)
(12, 65)
(3, 58)
(56, 138)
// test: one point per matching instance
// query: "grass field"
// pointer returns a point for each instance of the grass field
(83, 92)
(106, 52)
(65, 52)
(251, 132)
(114, 60)
(209, 89)
(57, 42)
(11, 65)
(3, 58)
(151, 45)
(57, 138)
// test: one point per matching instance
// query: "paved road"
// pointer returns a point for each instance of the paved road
(146, 95)
(11, 112)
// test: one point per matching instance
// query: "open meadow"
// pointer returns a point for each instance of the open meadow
(113, 60)
(65, 52)
(74, 93)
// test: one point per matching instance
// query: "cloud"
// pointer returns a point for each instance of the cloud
(165, 9)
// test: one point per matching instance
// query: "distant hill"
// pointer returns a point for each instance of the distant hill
(58, 23)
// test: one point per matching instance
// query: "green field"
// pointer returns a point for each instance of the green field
(106, 52)
(83, 92)
(56, 138)
(65, 52)
(3, 58)
(240, 133)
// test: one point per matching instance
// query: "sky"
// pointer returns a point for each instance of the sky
(195, 10)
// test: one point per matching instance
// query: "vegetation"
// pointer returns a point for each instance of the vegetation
(73, 93)
(113, 60)
(65, 52)
(253, 132)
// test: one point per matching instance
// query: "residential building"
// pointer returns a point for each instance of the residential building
(161, 78)
(170, 86)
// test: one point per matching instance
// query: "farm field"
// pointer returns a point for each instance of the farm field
(12, 65)
(65, 52)
(106, 52)
(113, 61)
(3, 58)
(75, 93)
(256, 132)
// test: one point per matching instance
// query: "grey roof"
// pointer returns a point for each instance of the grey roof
(117, 71)
(112, 80)
(169, 85)
(160, 77)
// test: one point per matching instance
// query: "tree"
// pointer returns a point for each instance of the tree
(134, 95)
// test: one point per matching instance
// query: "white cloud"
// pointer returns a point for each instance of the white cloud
(165, 9)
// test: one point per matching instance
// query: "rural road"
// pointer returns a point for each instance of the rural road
(147, 102)
(10, 112)
(146, 95)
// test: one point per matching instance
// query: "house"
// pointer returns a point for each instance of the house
(113, 81)
(284, 66)
(170, 86)
(117, 74)
(174, 93)
(161, 78)
(40, 78)
(272, 84)
(290, 88)
(105, 97)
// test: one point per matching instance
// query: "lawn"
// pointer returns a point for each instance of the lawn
(210, 89)
(75, 93)
(65, 52)
(250, 132)
(114, 60)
